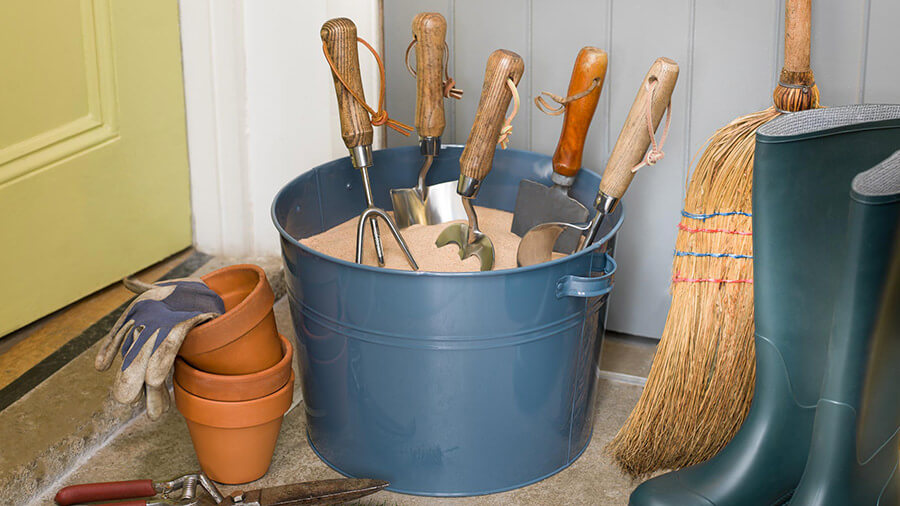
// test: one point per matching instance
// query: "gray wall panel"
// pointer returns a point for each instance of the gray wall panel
(882, 66)
(641, 298)
(730, 52)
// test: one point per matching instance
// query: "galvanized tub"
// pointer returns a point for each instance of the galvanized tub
(444, 384)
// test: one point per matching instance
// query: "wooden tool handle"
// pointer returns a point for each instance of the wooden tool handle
(91, 492)
(634, 139)
(796, 90)
(589, 65)
(339, 35)
(478, 155)
(430, 30)
(797, 21)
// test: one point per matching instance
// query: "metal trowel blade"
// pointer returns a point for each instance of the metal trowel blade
(458, 233)
(537, 244)
(537, 204)
(408, 207)
(443, 204)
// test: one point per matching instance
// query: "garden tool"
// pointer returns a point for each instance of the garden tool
(339, 44)
(654, 98)
(536, 203)
(149, 493)
(502, 74)
(696, 397)
(803, 166)
(854, 454)
(414, 205)
(150, 332)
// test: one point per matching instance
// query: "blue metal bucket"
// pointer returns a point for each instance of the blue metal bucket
(444, 384)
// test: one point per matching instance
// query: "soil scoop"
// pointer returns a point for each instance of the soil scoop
(437, 203)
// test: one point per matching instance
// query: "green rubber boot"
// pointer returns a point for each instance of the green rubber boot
(804, 164)
(854, 451)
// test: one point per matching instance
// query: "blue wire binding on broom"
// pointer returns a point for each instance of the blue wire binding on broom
(711, 215)
(713, 255)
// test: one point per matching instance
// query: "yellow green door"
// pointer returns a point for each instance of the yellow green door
(93, 157)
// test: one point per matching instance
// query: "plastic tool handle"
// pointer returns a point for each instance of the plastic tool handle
(430, 30)
(589, 65)
(339, 35)
(797, 35)
(93, 492)
(634, 139)
(478, 155)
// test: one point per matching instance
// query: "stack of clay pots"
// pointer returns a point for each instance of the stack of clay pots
(234, 380)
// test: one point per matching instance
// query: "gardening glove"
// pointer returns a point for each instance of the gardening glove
(150, 332)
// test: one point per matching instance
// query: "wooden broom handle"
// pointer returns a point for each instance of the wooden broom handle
(430, 31)
(589, 65)
(339, 36)
(478, 155)
(797, 21)
(634, 139)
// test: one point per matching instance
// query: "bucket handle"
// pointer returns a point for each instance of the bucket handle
(581, 286)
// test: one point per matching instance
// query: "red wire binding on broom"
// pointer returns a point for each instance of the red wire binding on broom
(712, 230)
(678, 279)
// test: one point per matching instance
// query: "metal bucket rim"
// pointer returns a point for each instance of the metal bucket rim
(387, 270)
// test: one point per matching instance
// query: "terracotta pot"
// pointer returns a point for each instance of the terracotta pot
(236, 387)
(234, 441)
(243, 340)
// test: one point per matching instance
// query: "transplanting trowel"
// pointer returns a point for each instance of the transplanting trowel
(503, 67)
(437, 203)
(536, 203)
(629, 154)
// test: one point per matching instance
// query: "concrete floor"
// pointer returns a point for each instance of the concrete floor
(107, 446)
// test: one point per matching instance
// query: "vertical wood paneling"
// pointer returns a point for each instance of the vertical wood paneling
(729, 52)
(553, 54)
(486, 26)
(643, 31)
(837, 45)
(882, 75)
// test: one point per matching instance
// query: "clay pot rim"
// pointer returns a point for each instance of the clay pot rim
(209, 336)
(228, 381)
(234, 414)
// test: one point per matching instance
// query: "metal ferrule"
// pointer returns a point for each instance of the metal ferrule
(604, 203)
(430, 146)
(468, 186)
(560, 180)
(361, 156)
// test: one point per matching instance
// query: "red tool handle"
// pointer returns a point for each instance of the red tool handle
(92, 492)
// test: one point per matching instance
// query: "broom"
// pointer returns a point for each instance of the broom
(701, 382)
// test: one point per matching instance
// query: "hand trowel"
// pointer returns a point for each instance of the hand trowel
(536, 203)
(437, 203)
(477, 157)
(630, 152)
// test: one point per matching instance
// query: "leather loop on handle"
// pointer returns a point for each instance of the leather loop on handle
(797, 25)
(93, 492)
(478, 155)
(429, 30)
(634, 139)
(589, 65)
(339, 36)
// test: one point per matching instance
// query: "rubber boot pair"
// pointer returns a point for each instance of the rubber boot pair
(808, 253)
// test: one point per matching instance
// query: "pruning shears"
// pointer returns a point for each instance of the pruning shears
(183, 491)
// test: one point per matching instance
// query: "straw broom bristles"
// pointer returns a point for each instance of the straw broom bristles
(701, 383)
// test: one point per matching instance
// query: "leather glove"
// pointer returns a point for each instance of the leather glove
(150, 332)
